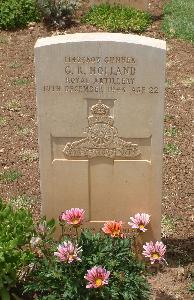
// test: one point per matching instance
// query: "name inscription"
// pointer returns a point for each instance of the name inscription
(100, 75)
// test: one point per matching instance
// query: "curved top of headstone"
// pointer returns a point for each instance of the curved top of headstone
(101, 37)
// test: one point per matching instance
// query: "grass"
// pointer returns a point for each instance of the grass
(169, 118)
(9, 176)
(2, 121)
(167, 226)
(168, 84)
(179, 19)
(188, 82)
(3, 40)
(171, 149)
(171, 132)
(23, 201)
(20, 81)
(192, 288)
(116, 18)
(13, 105)
(15, 65)
(24, 130)
(29, 155)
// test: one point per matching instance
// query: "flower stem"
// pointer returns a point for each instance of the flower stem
(77, 234)
(62, 231)
(137, 245)
(157, 268)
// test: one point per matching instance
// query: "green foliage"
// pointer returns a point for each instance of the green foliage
(2, 121)
(171, 149)
(16, 228)
(117, 18)
(171, 132)
(169, 118)
(23, 201)
(15, 65)
(58, 13)
(3, 40)
(9, 176)
(20, 81)
(179, 19)
(54, 280)
(13, 105)
(192, 288)
(24, 130)
(29, 155)
(188, 82)
(17, 13)
(167, 225)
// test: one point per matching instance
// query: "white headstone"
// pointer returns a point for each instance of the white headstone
(100, 100)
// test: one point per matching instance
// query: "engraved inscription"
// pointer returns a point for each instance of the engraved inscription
(98, 59)
(102, 138)
(99, 75)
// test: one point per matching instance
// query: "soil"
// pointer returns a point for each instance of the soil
(19, 133)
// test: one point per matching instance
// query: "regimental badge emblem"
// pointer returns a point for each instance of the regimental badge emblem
(102, 138)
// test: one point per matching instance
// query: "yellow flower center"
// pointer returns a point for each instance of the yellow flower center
(116, 232)
(98, 282)
(141, 226)
(75, 221)
(155, 255)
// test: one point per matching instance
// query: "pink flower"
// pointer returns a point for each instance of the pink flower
(113, 228)
(73, 216)
(154, 252)
(61, 220)
(140, 221)
(97, 277)
(67, 252)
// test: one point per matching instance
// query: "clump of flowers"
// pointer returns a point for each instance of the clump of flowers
(140, 221)
(97, 277)
(92, 264)
(73, 216)
(68, 252)
(113, 228)
(155, 252)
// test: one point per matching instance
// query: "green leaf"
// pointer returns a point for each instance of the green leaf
(4, 294)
